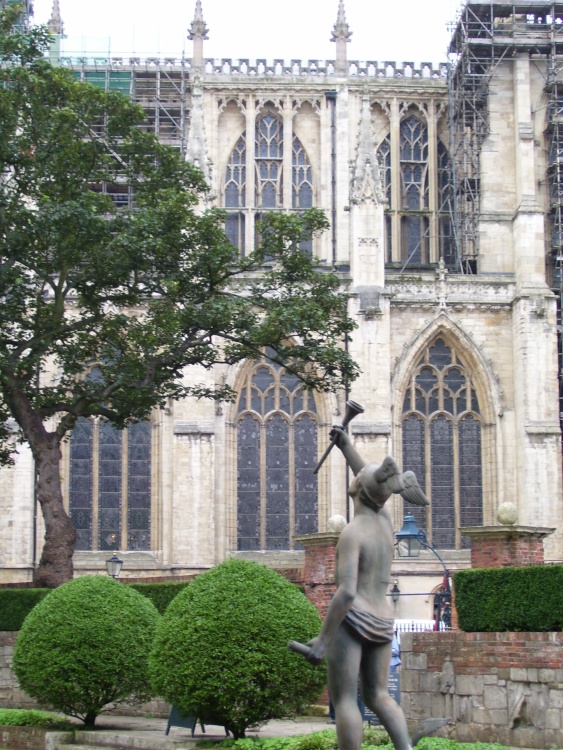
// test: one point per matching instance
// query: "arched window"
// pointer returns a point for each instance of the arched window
(110, 485)
(441, 428)
(266, 157)
(415, 231)
(277, 493)
(417, 182)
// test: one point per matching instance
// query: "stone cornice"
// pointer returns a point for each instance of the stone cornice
(507, 532)
(456, 291)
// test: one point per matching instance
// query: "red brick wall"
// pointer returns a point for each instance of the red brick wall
(318, 574)
(487, 552)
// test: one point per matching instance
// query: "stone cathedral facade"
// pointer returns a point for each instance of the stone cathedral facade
(441, 186)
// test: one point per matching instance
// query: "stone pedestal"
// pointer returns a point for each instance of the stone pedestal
(318, 569)
(506, 546)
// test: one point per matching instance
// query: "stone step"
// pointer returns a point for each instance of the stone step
(105, 740)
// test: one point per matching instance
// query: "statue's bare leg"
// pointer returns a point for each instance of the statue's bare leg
(344, 657)
(375, 676)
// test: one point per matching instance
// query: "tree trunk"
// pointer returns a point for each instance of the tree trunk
(55, 566)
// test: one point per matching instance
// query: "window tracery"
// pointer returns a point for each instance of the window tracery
(110, 485)
(267, 154)
(441, 437)
(277, 492)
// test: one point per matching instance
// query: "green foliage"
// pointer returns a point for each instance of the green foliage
(221, 647)
(140, 291)
(510, 599)
(374, 736)
(86, 645)
(19, 717)
(160, 594)
(326, 740)
(16, 604)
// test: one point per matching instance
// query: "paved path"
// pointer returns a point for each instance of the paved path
(147, 733)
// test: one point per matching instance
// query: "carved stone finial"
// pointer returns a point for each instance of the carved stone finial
(198, 29)
(55, 23)
(341, 30)
(341, 35)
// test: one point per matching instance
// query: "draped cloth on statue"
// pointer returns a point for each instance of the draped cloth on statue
(370, 627)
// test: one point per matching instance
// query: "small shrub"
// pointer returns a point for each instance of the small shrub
(374, 736)
(19, 717)
(221, 649)
(85, 646)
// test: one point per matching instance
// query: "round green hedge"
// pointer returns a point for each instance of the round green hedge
(86, 645)
(221, 648)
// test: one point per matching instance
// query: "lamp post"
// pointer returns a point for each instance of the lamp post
(114, 565)
(410, 540)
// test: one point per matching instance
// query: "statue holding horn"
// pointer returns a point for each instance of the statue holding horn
(357, 632)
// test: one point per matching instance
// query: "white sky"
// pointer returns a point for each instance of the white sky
(412, 30)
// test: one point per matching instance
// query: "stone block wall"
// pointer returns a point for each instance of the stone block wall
(10, 694)
(496, 687)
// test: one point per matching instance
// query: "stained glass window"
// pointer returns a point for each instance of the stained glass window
(267, 160)
(442, 444)
(110, 485)
(419, 195)
(277, 492)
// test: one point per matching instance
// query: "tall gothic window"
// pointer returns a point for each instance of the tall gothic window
(418, 190)
(277, 492)
(442, 444)
(269, 195)
(110, 485)
(414, 191)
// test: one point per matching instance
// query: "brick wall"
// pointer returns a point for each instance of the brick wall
(506, 552)
(319, 568)
(496, 687)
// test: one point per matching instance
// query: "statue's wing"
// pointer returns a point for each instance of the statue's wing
(411, 490)
(388, 474)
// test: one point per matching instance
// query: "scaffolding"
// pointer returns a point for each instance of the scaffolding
(485, 34)
(161, 89)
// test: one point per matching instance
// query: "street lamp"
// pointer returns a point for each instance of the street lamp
(114, 565)
(410, 539)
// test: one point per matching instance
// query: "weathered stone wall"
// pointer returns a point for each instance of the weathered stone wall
(496, 687)
(10, 694)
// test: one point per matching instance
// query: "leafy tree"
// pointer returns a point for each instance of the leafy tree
(138, 291)
(86, 645)
(221, 653)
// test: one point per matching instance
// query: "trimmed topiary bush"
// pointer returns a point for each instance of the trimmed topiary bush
(160, 594)
(221, 648)
(16, 604)
(526, 599)
(85, 646)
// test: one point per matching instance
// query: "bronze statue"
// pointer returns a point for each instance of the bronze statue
(358, 628)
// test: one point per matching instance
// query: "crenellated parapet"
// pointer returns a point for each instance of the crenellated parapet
(323, 68)
(230, 68)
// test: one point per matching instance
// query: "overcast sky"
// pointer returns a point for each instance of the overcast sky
(412, 30)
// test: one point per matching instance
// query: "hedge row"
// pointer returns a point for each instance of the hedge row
(510, 599)
(15, 604)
